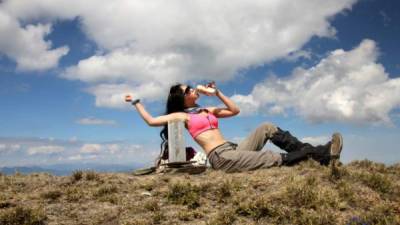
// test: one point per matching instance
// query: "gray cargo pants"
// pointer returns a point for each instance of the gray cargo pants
(231, 157)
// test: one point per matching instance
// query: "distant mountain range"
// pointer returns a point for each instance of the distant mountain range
(67, 169)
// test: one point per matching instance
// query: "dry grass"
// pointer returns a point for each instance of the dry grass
(362, 192)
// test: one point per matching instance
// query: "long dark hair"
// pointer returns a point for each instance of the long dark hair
(175, 103)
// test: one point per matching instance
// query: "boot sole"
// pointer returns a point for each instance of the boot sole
(336, 146)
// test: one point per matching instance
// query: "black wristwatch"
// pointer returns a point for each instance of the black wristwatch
(136, 101)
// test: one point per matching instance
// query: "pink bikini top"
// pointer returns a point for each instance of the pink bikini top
(199, 123)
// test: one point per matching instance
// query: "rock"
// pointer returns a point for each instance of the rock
(146, 193)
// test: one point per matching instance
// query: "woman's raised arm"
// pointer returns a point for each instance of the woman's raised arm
(160, 120)
(231, 108)
(155, 121)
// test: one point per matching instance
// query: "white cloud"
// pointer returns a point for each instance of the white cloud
(79, 157)
(73, 139)
(248, 105)
(95, 121)
(127, 65)
(347, 86)
(47, 149)
(113, 148)
(178, 40)
(9, 147)
(237, 139)
(91, 148)
(75, 157)
(113, 95)
(316, 140)
(35, 151)
(136, 149)
(26, 45)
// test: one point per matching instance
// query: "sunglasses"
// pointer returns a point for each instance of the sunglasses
(188, 89)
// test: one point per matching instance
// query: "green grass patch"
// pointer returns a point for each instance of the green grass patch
(184, 194)
(52, 195)
(22, 216)
(224, 217)
(77, 175)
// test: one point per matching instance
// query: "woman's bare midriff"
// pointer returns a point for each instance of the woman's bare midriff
(210, 139)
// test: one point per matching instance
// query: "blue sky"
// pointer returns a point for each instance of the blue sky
(311, 67)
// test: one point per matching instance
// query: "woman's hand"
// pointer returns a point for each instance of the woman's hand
(212, 85)
(231, 108)
(209, 89)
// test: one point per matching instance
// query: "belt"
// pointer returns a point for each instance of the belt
(215, 148)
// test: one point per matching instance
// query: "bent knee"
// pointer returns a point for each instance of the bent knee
(268, 128)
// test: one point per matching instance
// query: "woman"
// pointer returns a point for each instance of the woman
(202, 124)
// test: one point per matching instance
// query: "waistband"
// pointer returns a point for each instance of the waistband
(221, 145)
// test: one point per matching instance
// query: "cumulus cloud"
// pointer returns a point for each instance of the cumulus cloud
(113, 95)
(95, 121)
(248, 104)
(167, 41)
(347, 86)
(26, 45)
(47, 149)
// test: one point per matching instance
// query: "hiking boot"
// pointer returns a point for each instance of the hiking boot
(286, 141)
(322, 154)
(330, 151)
(298, 151)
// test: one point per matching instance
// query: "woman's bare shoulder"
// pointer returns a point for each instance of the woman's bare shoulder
(178, 116)
(211, 109)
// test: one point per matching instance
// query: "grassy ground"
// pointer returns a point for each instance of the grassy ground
(361, 192)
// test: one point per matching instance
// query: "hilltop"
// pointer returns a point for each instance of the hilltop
(361, 192)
